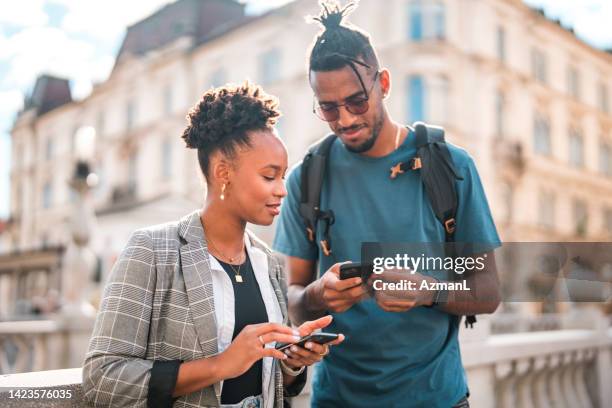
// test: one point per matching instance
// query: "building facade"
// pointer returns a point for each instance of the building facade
(527, 99)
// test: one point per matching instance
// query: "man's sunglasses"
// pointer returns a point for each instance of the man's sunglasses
(357, 105)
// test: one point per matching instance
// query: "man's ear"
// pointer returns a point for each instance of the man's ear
(385, 82)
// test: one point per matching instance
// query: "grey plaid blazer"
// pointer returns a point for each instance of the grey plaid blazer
(158, 305)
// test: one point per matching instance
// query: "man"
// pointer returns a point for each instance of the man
(400, 351)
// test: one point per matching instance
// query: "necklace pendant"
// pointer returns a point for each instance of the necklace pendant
(238, 278)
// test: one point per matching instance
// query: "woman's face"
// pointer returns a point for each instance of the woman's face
(257, 185)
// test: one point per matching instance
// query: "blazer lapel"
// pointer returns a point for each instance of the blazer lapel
(198, 282)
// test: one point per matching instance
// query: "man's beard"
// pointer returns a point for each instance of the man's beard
(369, 143)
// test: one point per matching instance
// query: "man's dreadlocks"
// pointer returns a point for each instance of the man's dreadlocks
(340, 45)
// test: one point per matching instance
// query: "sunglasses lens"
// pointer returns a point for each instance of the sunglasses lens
(329, 114)
(357, 107)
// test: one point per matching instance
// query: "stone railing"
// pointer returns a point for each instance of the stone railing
(565, 368)
(37, 345)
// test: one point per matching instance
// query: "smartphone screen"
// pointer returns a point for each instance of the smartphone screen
(319, 338)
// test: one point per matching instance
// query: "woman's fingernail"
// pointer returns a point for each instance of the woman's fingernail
(285, 357)
(308, 345)
(294, 348)
(296, 333)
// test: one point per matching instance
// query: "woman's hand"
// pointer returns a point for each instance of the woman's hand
(312, 352)
(249, 346)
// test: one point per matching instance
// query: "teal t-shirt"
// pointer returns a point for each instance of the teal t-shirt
(409, 359)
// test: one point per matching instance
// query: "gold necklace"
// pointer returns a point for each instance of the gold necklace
(237, 276)
(397, 136)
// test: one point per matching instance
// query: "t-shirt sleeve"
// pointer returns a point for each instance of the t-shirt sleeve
(290, 237)
(475, 225)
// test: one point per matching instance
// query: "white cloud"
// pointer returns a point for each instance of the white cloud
(23, 13)
(10, 101)
(46, 49)
(260, 6)
(105, 20)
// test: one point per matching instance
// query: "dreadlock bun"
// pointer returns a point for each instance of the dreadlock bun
(224, 115)
(339, 43)
(331, 14)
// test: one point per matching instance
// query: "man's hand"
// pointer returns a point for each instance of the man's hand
(338, 295)
(392, 300)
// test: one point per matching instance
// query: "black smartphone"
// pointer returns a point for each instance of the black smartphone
(319, 338)
(355, 270)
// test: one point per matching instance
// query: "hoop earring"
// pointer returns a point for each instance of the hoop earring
(222, 192)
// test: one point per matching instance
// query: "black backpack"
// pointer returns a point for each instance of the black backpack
(437, 171)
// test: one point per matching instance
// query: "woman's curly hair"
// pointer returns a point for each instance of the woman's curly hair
(224, 115)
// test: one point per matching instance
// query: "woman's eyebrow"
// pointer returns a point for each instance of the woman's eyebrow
(273, 166)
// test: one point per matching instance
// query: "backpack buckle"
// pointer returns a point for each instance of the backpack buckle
(325, 247)
(396, 170)
(449, 225)
(310, 233)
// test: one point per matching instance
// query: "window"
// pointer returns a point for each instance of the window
(500, 107)
(501, 44)
(581, 217)
(167, 99)
(605, 159)
(49, 149)
(217, 78)
(130, 112)
(576, 148)
(539, 68)
(415, 12)
(541, 136)
(269, 66)
(573, 82)
(546, 209)
(416, 98)
(604, 102)
(426, 20)
(47, 195)
(437, 15)
(166, 167)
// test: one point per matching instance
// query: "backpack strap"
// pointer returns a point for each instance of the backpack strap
(439, 175)
(314, 167)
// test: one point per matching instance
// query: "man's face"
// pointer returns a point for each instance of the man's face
(358, 132)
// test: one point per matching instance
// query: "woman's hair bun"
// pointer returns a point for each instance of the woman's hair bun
(228, 111)
(221, 120)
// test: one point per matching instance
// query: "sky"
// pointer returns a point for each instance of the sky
(78, 39)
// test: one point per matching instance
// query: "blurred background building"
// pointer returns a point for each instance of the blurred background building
(527, 98)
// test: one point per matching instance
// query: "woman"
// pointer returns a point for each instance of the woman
(192, 309)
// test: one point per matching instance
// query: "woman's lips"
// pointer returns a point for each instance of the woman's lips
(274, 209)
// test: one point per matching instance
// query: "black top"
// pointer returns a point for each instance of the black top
(249, 308)
(247, 299)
